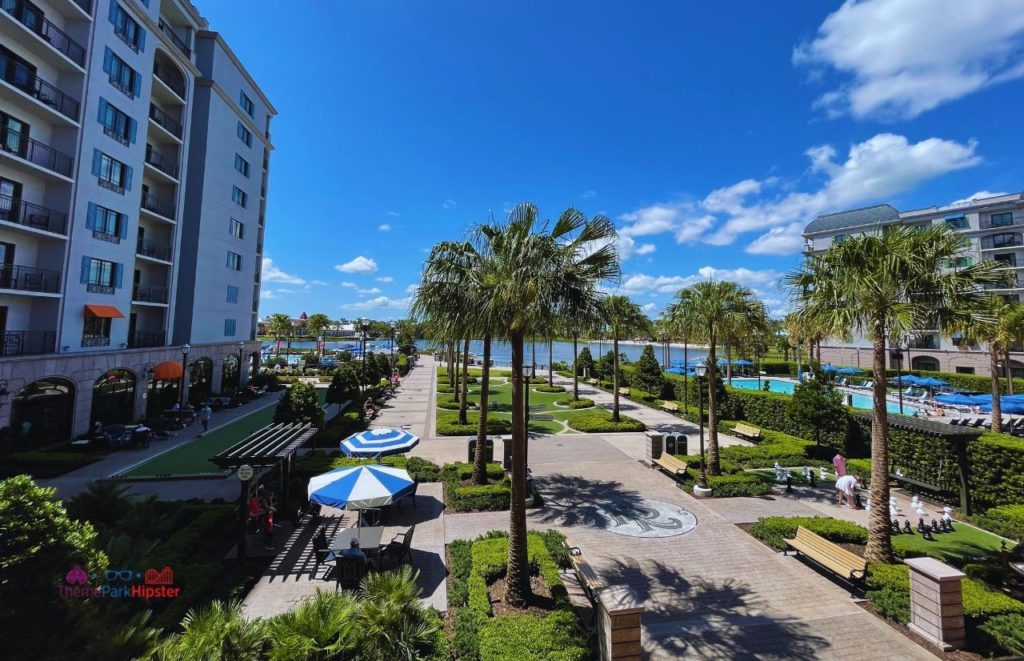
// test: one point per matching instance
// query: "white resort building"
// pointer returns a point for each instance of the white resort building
(134, 160)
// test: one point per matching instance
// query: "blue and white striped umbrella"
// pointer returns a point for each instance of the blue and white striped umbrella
(360, 487)
(379, 442)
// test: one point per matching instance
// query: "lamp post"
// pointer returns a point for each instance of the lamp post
(184, 368)
(241, 348)
(701, 371)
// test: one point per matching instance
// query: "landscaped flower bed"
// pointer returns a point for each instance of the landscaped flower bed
(448, 424)
(462, 497)
(581, 403)
(600, 421)
(547, 388)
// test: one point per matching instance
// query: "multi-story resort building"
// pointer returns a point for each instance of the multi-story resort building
(134, 158)
(995, 227)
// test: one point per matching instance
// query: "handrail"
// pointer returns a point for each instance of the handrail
(176, 84)
(149, 293)
(161, 162)
(155, 204)
(165, 120)
(48, 32)
(36, 152)
(29, 278)
(30, 83)
(150, 248)
(175, 39)
(13, 210)
(146, 339)
(27, 343)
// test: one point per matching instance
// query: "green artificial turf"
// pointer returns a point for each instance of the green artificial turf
(500, 392)
(950, 547)
(193, 458)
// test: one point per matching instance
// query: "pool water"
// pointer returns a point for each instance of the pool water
(855, 400)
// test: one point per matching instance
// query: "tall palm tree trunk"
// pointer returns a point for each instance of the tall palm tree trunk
(533, 358)
(728, 362)
(615, 378)
(1009, 372)
(451, 368)
(714, 465)
(997, 406)
(456, 395)
(464, 402)
(575, 370)
(551, 363)
(518, 573)
(879, 548)
(479, 463)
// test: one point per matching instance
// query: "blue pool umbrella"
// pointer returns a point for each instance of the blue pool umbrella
(907, 380)
(848, 370)
(1013, 407)
(675, 370)
(956, 400)
(742, 362)
(360, 487)
(722, 362)
(829, 367)
(931, 382)
(378, 442)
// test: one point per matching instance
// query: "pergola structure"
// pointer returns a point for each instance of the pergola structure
(269, 447)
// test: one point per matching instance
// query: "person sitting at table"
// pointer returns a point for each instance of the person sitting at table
(353, 550)
(176, 407)
(97, 430)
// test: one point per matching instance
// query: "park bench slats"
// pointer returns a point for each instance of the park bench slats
(671, 464)
(671, 407)
(747, 431)
(542, 416)
(624, 392)
(589, 579)
(830, 556)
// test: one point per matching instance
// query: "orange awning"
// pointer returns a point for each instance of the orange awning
(104, 311)
(167, 371)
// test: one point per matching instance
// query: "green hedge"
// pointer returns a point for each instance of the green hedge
(1002, 635)
(581, 403)
(773, 530)
(778, 367)
(600, 421)
(483, 498)
(1006, 520)
(43, 464)
(996, 471)
(547, 388)
(308, 465)
(448, 425)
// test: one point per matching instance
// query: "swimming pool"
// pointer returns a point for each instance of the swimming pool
(855, 400)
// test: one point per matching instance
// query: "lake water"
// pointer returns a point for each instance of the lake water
(856, 400)
(501, 352)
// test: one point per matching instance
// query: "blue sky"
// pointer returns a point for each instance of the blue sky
(711, 133)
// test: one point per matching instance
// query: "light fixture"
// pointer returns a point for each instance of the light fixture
(701, 370)
(185, 349)
(241, 345)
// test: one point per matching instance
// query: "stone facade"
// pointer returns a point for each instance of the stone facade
(920, 359)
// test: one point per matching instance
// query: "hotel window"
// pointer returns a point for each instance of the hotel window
(239, 197)
(122, 76)
(957, 222)
(965, 370)
(246, 103)
(1006, 259)
(244, 135)
(229, 328)
(236, 229)
(838, 238)
(1005, 240)
(958, 262)
(106, 224)
(1002, 219)
(101, 276)
(111, 173)
(95, 331)
(127, 28)
(116, 123)
(234, 261)
(241, 165)
(232, 294)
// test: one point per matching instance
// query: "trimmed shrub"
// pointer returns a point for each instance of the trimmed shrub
(446, 390)
(1007, 520)
(773, 530)
(554, 636)
(891, 604)
(452, 405)
(546, 388)
(741, 484)
(1003, 635)
(600, 421)
(448, 425)
(778, 368)
(483, 498)
(581, 403)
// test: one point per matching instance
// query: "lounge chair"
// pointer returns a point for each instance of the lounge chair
(977, 422)
(841, 382)
(400, 548)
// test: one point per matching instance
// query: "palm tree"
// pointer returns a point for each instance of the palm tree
(884, 285)
(999, 326)
(624, 319)
(713, 311)
(392, 623)
(321, 629)
(572, 322)
(279, 325)
(219, 632)
(316, 324)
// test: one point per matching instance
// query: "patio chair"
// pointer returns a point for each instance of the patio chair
(400, 548)
(411, 495)
(322, 553)
(977, 422)
(351, 570)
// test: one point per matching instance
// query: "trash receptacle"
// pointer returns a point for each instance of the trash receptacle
(488, 450)
(506, 442)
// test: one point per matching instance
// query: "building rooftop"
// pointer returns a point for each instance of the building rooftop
(830, 222)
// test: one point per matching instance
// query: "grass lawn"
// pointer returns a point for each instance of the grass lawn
(194, 458)
(950, 547)
(501, 394)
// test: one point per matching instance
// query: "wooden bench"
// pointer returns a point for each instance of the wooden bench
(541, 416)
(830, 556)
(670, 464)
(624, 392)
(747, 431)
(588, 578)
(592, 381)
(671, 407)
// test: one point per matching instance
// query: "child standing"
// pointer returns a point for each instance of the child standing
(268, 529)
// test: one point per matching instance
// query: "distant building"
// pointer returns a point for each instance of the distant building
(994, 227)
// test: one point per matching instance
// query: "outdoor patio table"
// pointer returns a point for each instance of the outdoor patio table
(369, 539)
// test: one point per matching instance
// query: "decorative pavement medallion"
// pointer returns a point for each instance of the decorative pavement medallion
(646, 518)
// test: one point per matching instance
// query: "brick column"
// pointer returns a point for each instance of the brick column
(652, 446)
(936, 602)
(619, 625)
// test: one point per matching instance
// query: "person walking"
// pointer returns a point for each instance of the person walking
(268, 529)
(839, 462)
(204, 416)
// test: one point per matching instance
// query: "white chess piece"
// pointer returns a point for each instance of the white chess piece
(824, 473)
(920, 511)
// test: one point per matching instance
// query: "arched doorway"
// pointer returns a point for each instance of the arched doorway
(254, 365)
(42, 413)
(161, 395)
(200, 381)
(113, 398)
(229, 374)
(924, 363)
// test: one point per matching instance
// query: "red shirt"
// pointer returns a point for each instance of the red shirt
(268, 522)
(254, 507)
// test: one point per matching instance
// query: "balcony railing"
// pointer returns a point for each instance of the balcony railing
(95, 340)
(86, 5)
(47, 31)
(153, 203)
(145, 339)
(13, 210)
(29, 278)
(36, 152)
(988, 223)
(27, 343)
(165, 120)
(161, 162)
(110, 184)
(175, 39)
(926, 342)
(149, 248)
(997, 241)
(171, 79)
(20, 76)
(149, 293)
(106, 236)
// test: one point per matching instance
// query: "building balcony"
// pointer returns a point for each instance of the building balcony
(86, 5)
(19, 76)
(141, 339)
(988, 224)
(29, 279)
(1001, 241)
(157, 205)
(165, 121)
(162, 163)
(29, 149)
(49, 33)
(32, 216)
(170, 78)
(149, 294)
(152, 249)
(925, 342)
(175, 39)
(95, 341)
(27, 343)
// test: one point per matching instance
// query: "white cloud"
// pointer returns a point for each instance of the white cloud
(318, 283)
(348, 284)
(379, 303)
(411, 289)
(980, 195)
(393, 214)
(360, 264)
(384, 227)
(680, 219)
(640, 283)
(587, 194)
(904, 57)
(648, 307)
(271, 273)
(448, 204)
(371, 290)
(385, 279)
(645, 249)
(268, 294)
